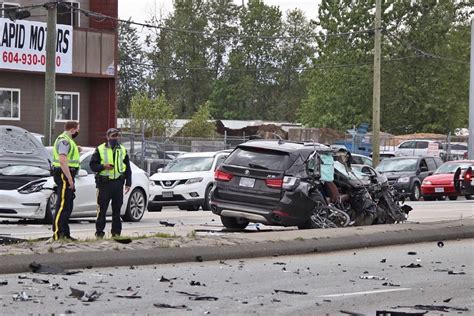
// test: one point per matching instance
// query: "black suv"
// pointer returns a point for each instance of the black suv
(257, 180)
(406, 174)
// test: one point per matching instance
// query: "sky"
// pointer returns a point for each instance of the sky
(142, 10)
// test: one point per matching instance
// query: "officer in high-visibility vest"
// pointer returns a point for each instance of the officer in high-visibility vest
(111, 163)
(65, 167)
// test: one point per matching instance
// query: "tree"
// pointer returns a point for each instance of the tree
(200, 124)
(155, 115)
(131, 77)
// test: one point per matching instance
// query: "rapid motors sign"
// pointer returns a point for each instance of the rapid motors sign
(23, 46)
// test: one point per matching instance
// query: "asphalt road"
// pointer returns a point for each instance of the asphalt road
(202, 222)
(357, 281)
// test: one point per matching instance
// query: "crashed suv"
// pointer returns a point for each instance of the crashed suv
(254, 180)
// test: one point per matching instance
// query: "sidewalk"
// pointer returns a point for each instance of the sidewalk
(221, 246)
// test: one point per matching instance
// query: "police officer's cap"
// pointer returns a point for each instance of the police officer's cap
(113, 131)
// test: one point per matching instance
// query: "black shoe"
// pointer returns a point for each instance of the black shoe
(115, 235)
(99, 235)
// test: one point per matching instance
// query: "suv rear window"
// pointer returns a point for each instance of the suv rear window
(259, 159)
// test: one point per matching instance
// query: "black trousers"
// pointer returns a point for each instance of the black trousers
(64, 204)
(109, 191)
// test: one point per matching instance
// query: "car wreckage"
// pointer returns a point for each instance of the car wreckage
(276, 182)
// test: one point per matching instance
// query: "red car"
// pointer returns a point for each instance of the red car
(441, 184)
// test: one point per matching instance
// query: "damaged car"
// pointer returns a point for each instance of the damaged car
(290, 184)
(27, 191)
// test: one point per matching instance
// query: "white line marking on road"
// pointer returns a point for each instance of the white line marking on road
(366, 292)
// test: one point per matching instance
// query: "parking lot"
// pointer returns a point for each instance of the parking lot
(202, 222)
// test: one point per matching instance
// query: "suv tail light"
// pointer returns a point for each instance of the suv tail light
(220, 175)
(274, 183)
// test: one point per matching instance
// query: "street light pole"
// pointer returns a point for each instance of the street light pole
(376, 92)
(471, 98)
(50, 74)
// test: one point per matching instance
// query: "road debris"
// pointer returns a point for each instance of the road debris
(389, 284)
(447, 300)
(85, 296)
(163, 279)
(46, 269)
(452, 272)
(199, 259)
(162, 305)
(21, 297)
(412, 265)
(372, 277)
(440, 244)
(129, 295)
(412, 253)
(167, 224)
(397, 313)
(351, 313)
(383, 260)
(291, 292)
(279, 263)
(203, 298)
(196, 283)
(437, 308)
(40, 281)
(3, 282)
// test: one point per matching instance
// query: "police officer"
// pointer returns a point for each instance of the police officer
(111, 163)
(65, 167)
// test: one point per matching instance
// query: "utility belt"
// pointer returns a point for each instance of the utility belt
(105, 179)
(57, 171)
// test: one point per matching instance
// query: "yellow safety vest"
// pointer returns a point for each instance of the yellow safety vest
(72, 155)
(107, 156)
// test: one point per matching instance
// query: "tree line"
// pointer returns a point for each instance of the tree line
(256, 62)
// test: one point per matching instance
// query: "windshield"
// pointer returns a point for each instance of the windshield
(452, 167)
(388, 165)
(20, 170)
(259, 158)
(189, 164)
(353, 174)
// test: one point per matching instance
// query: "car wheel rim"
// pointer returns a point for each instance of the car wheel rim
(137, 205)
(209, 194)
(417, 192)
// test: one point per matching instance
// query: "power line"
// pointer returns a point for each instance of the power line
(422, 52)
(315, 66)
(96, 15)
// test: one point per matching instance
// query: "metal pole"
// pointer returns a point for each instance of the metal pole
(376, 95)
(50, 73)
(471, 98)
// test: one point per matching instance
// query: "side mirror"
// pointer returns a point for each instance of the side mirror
(82, 173)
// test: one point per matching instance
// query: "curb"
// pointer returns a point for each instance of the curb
(113, 258)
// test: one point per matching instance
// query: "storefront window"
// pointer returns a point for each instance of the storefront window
(68, 13)
(9, 104)
(67, 106)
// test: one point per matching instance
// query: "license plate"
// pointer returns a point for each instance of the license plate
(439, 190)
(247, 182)
(167, 194)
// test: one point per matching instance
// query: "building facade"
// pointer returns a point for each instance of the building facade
(86, 80)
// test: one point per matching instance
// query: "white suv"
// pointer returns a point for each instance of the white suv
(419, 147)
(185, 182)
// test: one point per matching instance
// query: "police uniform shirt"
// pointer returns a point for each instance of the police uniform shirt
(63, 147)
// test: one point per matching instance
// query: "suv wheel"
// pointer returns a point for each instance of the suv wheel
(453, 198)
(234, 222)
(206, 206)
(428, 198)
(415, 192)
(468, 196)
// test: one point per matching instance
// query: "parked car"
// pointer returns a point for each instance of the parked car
(457, 151)
(384, 155)
(27, 189)
(419, 147)
(407, 173)
(441, 183)
(185, 182)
